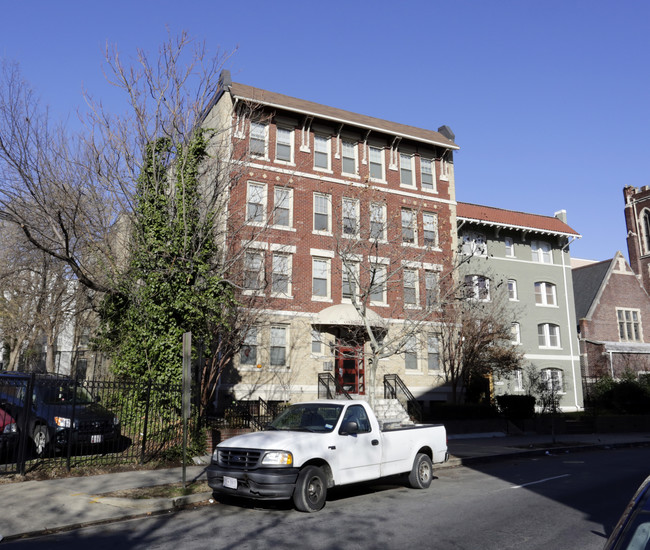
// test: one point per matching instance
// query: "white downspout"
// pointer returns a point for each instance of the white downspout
(568, 316)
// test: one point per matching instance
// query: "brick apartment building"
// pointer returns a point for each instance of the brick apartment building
(344, 224)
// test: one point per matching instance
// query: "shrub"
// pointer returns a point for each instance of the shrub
(516, 407)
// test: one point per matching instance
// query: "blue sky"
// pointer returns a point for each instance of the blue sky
(549, 100)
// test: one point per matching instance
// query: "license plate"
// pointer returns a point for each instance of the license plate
(229, 482)
(96, 438)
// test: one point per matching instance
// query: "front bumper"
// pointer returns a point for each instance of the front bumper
(261, 483)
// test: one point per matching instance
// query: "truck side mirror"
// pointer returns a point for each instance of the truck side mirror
(349, 428)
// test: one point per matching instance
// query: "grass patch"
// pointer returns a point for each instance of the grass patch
(170, 490)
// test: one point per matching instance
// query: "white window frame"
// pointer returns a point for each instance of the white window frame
(275, 342)
(428, 186)
(278, 205)
(327, 140)
(406, 171)
(381, 156)
(253, 268)
(259, 126)
(513, 295)
(519, 380)
(542, 252)
(554, 379)
(430, 225)
(354, 268)
(431, 291)
(546, 334)
(281, 271)
(381, 208)
(290, 143)
(380, 273)
(474, 243)
(542, 297)
(348, 206)
(477, 287)
(510, 247)
(628, 326)
(433, 350)
(444, 169)
(413, 226)
(251, 340)
(316, 342)
(325, 263)
(411, 354)
(351, 146)
(515, 331)
(411, 282)
(328, 201)
(254, 191)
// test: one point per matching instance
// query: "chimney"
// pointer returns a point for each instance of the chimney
(446, 131)
(561, 215)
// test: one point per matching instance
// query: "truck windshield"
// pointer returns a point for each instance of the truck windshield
(310, 417)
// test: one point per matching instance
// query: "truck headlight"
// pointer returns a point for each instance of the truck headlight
(278, 458)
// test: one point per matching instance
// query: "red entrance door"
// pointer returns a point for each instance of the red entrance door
(349, 369)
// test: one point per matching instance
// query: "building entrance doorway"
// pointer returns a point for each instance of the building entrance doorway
(350, 372)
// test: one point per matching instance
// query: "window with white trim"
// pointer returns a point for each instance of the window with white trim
(474, 244)
(629, 325)
(411, 353)
(321, 277)
(430, 229)
(283, 207)
(541, 252)
(409, 233)
(548, 335)
(431, 288)
(278, 346)
(427, 174)
(377, 284)
(477, 287)
(349, 279)
(316, 342)
(281, 274)
(519, 380)
(248, 351)
(253, 270)
(410, 277)
(377, 222)
(510, 247)
(553, 380)
(406, 170)
(376, 163)
(256, 203)
(322, 154)
(512, 290)
(545, 294)
(258, 139)
(349, 157)
(515, 333)
(433, 352)
(322, 213)
(284, 144)
(350, 217)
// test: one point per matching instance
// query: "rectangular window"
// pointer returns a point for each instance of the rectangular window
(410, 287)
(515, 333)
(378, 284)
(321, 277)
(281, 274)
(474, 244)
(284, 145)
(427, 174)
(553, 380)
(548, 335)
(316, 342)
(512, 290)
(545, 294)
(477, 287)
(510, 247)
(349, 278)
(322, 212)
(519, 380)
(541, 252)
(283, 207)
(430, 226)
(248, 351)
(253, 270)
(377, 222)
(349, 157)
(629, 325)
(408, 226)
(411, 354)
(376, 163)
(431, 287)
(433, 353)
(350, 217)
(278, 346)
(322, 152)
(406, 170)
(258, 139)
(256, 203)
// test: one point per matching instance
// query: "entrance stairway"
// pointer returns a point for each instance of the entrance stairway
(391, 413)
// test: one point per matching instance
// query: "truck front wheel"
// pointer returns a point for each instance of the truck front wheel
(311, 490)
(422, 473)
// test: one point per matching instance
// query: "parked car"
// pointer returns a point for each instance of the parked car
(632, 532)
(60, 411)
(8, 434)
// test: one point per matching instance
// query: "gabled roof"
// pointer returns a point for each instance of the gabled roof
(587, 283)
(272, 99)
(487, 215)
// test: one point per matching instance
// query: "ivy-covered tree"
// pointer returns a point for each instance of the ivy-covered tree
(171, 285)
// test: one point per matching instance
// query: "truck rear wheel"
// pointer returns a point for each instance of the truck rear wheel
(311, 490)
(422, 473)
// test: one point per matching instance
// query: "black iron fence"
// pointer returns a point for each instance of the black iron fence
(71, 422)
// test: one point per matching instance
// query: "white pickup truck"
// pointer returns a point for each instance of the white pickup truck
(311, 447)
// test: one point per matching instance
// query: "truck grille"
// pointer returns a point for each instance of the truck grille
(239, 458)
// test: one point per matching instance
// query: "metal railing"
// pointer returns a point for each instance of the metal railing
(394, 388)
(329, 388)
(253, 414)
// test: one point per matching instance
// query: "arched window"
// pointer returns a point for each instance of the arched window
(646, 230)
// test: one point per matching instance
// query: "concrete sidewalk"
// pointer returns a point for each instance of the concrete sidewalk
(39, 507)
